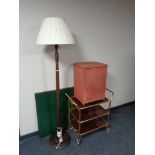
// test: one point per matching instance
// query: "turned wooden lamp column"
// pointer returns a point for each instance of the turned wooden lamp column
(54, 31)
(57, 87)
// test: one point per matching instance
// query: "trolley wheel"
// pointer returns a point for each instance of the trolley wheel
(108, 130)
(78, 140)
(71, 127)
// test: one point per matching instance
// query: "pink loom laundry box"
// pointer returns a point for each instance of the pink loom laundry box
(89, 81)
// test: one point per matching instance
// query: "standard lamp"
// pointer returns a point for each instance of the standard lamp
(54, 31)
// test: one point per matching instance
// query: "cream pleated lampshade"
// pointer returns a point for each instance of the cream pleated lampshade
(54, 30)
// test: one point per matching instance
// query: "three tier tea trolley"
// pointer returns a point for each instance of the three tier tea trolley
(87, 118)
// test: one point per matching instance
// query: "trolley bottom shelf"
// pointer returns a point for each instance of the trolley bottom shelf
(90, 126)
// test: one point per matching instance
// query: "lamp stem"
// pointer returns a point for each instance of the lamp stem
(60, 139)
(57, 88)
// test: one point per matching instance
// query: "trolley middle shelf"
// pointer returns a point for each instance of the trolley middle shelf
(88, 113)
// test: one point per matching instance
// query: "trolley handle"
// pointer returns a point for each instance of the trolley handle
(112, 93)
(71, 100)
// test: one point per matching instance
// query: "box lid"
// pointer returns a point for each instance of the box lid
(91, 64)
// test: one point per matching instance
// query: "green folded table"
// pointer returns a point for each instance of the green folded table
(46, 110)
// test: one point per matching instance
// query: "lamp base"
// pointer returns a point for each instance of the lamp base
(54, 141)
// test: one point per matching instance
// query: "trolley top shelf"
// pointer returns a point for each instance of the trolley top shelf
(78, 104)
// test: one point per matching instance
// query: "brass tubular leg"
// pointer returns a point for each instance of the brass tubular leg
(108, 117)
(69, 112)
(79, 122)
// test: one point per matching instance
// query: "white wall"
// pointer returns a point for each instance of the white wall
(104, 32)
